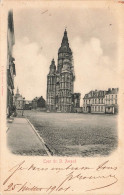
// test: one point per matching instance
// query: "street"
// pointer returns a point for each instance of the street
(73, 134)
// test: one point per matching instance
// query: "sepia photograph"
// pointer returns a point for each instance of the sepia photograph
(62, 97)
(62, 82)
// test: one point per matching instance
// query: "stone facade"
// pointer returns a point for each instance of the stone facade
(60, 80)
(93, 102)
(101, 101)
(11, 72)
(111, 101)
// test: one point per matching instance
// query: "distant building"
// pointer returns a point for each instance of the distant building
(111, 101)
(28, 104)
(101, 101)
(60, 80)
(17, 95)
(76, 102)
(34, 103)
(11, 72)
(19, 101)
(38, 102)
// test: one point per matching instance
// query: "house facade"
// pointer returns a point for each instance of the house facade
(111, 101)
(101, 101)
(39, 102)
(11, 71)
(94, 102)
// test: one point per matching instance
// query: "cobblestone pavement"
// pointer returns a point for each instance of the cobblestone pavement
(73, 134)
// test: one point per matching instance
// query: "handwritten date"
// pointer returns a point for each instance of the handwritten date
(102, 172)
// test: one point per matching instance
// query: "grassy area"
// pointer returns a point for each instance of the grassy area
(76, 134)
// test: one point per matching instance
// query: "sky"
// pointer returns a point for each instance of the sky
(93, 38)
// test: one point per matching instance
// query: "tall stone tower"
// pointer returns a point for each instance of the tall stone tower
(51, 87)
(60, 82)
(66, 79)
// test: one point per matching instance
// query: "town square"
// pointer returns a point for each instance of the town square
(64, 134)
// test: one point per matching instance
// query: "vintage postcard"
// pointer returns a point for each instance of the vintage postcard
(62, 104)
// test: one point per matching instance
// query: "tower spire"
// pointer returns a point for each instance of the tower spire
(65, 38)
(52, 67)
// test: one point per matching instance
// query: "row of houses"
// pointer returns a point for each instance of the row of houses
(98, 101)
(21, 103)
(101, 101)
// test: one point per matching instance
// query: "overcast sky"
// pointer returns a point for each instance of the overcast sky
(92, 35)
